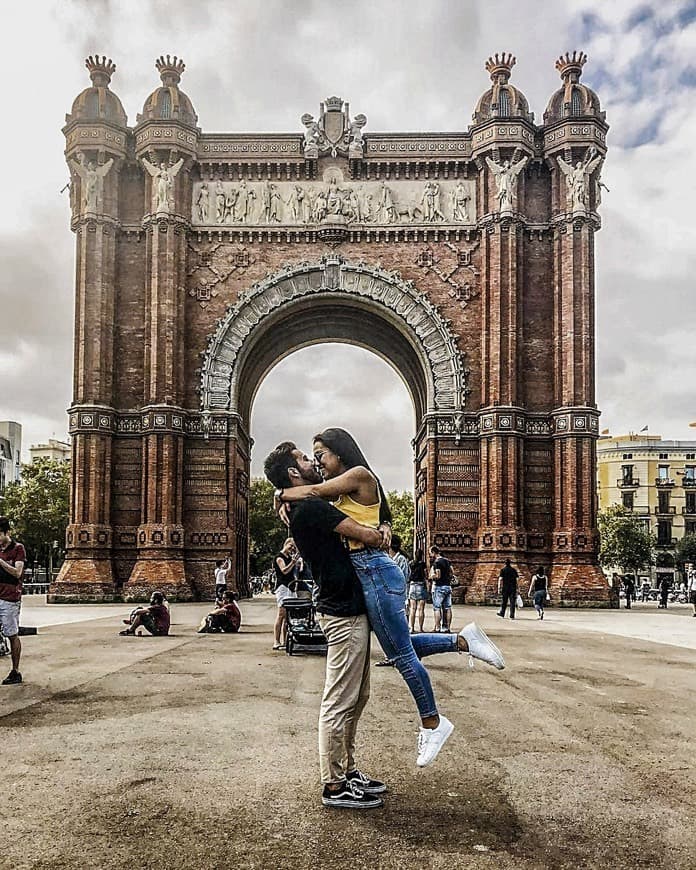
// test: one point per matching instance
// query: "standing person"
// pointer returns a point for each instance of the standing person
(691, 586)
(349, 481)
(664, 591)
(399, 558)
(284, 566)
(441, 590)
(318, 527)
(507, 586)
(417, 591)
(221, 569)
(539, 588)
(12, 560)
(645, 591)
(629, 590)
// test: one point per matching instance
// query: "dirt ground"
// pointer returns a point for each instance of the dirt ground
(200, 751)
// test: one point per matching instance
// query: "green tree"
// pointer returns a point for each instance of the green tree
(38, 507)
(685, 550)
(266, 531)
(402, 508)
(625, 543)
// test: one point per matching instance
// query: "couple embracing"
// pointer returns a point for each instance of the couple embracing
(340, 520)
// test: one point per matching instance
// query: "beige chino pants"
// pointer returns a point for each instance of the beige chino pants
(346, 690)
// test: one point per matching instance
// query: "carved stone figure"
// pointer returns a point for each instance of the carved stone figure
(295, 202)
(245, 203)
(320, 206)
(577, 180)
(460, 199)
(387, 207)
(230, 200)
(356, 147)
(203, 203)
(506, 182)
(163, 184)
(270, 202)
(92, 177)
(313, 134)
(430, 201)
(219, 202)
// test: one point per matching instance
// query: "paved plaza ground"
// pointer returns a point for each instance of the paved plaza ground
(199, 751)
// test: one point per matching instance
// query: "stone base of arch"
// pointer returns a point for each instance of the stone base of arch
(579, 583)
(158, 575)
(87, 581)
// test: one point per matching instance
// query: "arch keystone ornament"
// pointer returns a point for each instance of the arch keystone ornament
(466, 261)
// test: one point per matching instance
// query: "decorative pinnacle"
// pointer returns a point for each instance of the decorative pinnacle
(100, 70)
(501, 65)
(570, 66)
(170, 69)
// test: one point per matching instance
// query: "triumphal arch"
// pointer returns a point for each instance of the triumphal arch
(464, 259)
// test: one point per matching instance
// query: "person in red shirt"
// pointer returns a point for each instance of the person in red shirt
(226, 618)
(154, 618)
(12, 559)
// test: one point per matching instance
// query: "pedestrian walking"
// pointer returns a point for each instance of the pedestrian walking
(629, 590)
(691, 585)
(507, 587)
(539, 588)
(12, 560)
(665, 585)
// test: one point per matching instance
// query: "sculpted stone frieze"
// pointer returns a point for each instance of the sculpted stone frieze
(334, 201)
(421, 322)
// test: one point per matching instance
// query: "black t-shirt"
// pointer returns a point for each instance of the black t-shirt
(509, 577)
(445, 568)
(338, 590)
(418, 571)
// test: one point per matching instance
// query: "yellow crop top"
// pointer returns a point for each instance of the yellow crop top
(365, 514)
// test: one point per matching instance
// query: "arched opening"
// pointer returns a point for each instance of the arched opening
(319, 386)
(334, 301)
(331, 384)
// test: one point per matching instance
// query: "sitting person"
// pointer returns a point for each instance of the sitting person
(226, 618)
(154, 618)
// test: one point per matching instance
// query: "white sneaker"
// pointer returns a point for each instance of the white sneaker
(481, 647)
(431, 741)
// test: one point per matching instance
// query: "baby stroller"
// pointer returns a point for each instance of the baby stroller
(304, 634)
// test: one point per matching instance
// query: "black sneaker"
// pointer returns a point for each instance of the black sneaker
(364, 783)
(351, 797)
(12, 679)
(385, 663)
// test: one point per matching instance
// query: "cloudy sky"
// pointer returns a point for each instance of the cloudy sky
(407, 66)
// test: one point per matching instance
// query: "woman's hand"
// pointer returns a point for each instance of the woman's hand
(385, 531)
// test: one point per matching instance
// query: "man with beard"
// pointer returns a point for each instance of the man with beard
(317, 528)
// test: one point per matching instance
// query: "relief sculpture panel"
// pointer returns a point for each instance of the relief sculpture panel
(334, 200)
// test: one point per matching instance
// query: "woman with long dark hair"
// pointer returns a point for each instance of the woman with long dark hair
(351, 485)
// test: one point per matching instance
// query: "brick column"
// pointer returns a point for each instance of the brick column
(160, 535)
(575, 574)
(501, 524)
(87, 573)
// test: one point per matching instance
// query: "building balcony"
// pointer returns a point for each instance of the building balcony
(664, 482)
(666, 543)
(689, 511)
(689, 482)
(627, 482)
(665, 510)
(640, 509)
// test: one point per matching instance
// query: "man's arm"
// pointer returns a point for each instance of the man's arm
(16, 570)
(357, 532)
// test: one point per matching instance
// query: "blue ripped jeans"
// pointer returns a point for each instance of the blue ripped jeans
(384, 588)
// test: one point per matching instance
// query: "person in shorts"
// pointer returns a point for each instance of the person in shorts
(417, 592)
(12, 560)
(441, 590)
(155, 619)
